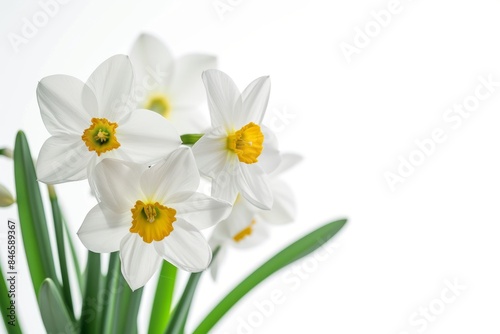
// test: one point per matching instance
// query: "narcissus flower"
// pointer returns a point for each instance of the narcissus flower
(91, 121)
(151, 213)
(168, 86)
(247, 226)
(238, 152)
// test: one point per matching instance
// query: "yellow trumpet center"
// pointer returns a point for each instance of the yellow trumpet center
(246, 143)
(247, 231)
(152, 221)
(159, 104)
(100, 137)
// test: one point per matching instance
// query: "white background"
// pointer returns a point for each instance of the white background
(349, 120)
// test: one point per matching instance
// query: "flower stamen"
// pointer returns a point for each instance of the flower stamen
(246, 232)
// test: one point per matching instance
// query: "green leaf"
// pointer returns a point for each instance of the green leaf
(181, 311)
(55, 314)
(32, 215)
(91, 303)
(112, 289)
(294, 252)
(5, 304)
(133, 312)
(74, 257)
(58, 228)
(162, 303)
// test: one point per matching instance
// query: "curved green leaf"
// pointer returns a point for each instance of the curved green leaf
(55, 314)
(294, 252)
(32, 215)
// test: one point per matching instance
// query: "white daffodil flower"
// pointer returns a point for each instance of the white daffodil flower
(92, 121)
(168, 86)
(246, 226)
(238, 152)
(151, 213)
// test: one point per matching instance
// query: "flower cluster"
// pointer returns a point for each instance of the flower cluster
(120, 130)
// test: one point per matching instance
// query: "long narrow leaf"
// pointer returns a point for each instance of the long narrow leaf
(74, 257)
(112, 290)
(14, 327)
(61, 251)
(55, 314)
(162, 303)
(133, 311)
(294, 252)
(179, 316)
(91, 304)
(32, 215)
(121, 311)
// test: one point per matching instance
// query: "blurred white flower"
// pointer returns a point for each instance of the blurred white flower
(151, 213)
(92, 121)
(246, 225)
(168, 86)
(6, 198)
(238, 152)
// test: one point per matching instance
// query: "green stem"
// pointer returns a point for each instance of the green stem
(190, 139)
(91, 304)
(58, 227)
(112, 289)
(162, 304)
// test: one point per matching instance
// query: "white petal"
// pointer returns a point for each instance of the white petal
(185, 248)
(139, 260)
(255, 98)
(64, 107)
(117, 184)
(152, 63)
(112, 84)
(211, 153)
(102, 230)
(288, 160)
(187, 89)
(177, 174)
(284, 206)
(216, 262)
(201, 211)
(254, 186)
(63, 158)
(270, 157)
(225, 184)
(146, 137)
(224, 100)
(189, 120)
